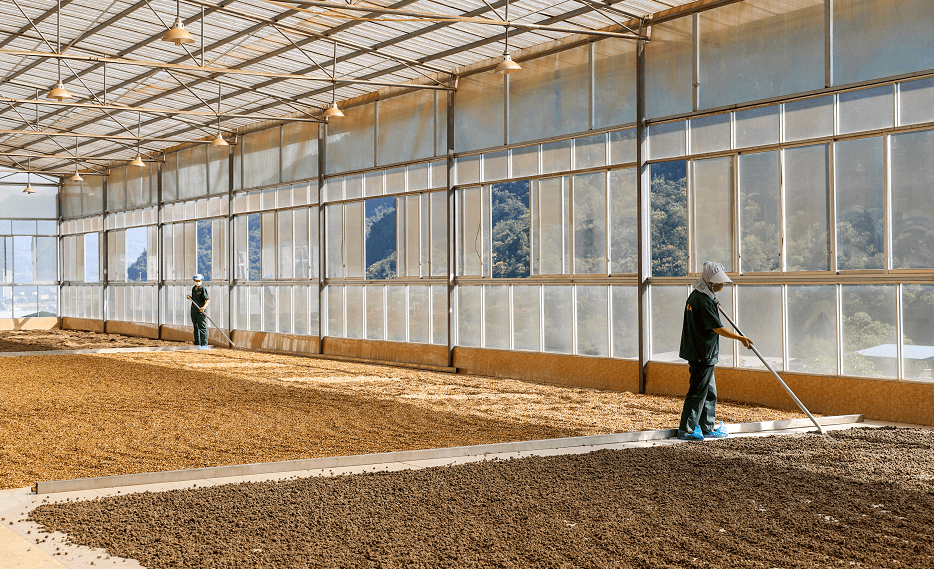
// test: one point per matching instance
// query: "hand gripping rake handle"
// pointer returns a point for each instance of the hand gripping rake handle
(212, 322)
(771, 369)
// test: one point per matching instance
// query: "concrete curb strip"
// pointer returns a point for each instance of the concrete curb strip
(403, 456)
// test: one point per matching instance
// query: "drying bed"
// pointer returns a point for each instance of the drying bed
(858, 498)
(79, 416)
(48, 340)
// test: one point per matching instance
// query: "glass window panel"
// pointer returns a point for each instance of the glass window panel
(614, 91)
(667, 320)
(350, 140)
(760, 223)
(559, 318)
(916, 101)
(137, 256)
(300, 310)
(918, 331)
(758, 49)
(860, 196)
(556, 157)
(470, 258)
(727, 346)
(669, 218)
(495, 165)
(869, 333)
(812, 329)
(757, 127)
(625, 321)
(409, 118)
(526, 318)
(26, 302)
(868, 109)
(525, 161)
(16, 204)
(511, 229)
(46, 259)
(710, 134)
(355, 311)
(395, 314)
(24, 227)
(192, 172)
(912, 169)
(590, 223)
(760, 317)
(623, 146)
(47, 302)
(590, 152)
(375, 313)
(468, 169)
(592, 321)
(496, 317)
(380, 238)
(419, 314)
(23, 259)
(299, 151)
(478, 112)
(550, 97)
(269, 245)
(624, 234)
(667, 139)
(439, 314)
(807, 237)
(669, 69)
(6, 302)
(552, 246)
(334, 216)
(335, 300)
(713, 200)
(808, 118)
(469, 304)
(897, 41)
(439, 241)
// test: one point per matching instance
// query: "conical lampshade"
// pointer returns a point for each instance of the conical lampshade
(332, 111)
(178, 34)
(138, 161)
(219, 141)
(59, 93)
(29, 190)
(507, 66)
(77, 177)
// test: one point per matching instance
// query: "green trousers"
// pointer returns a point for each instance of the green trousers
(200, 323)
(700, 403)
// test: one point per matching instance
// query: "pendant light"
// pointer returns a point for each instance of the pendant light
(59, 92)
(506, 66)
(77, 177)
(178, 34)
(29, 189)
(138, 161)
(219, 141)
(333, 111)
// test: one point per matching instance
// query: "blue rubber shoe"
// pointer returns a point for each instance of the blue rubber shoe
(719, 432)
(695, 435)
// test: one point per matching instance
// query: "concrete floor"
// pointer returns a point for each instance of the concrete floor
(19, 550)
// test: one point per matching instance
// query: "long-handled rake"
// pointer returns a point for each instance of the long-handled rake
(214, 323)
(771, 369)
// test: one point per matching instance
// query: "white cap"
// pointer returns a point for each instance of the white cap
(714, 273)
(198, 277)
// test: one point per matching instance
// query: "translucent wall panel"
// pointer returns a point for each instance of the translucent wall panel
(916, 101)
(525, 161)
(286, 246)
(190, 251)
(71, 198)
(590, 152)
(469, 243)
(411, 236)
(757, 127)
(912, 168)
(478, 112)
(300, 310)
(91, 257)
(334, 220)
(350, 140)
(558, 324)
(439, 314)
(869, 327)
(758, 49)
(727, 346)
(614, 88)
(396, 321)
(550, 96)
(269, 309)
(669, 218)
(760, 317)
(6, 302)
(419, 314)
(116, 189)
(260, 158)
(918, 330)
(375, 312)
(526, 318)
(16, 204)
(218, 249)
(592, 321)
(511, 221)
(170, 177)
(192, 172)
(808, 118)
(355, 309)
(406, 127)
(496, 166)
(878, 38)
(204, 244)
(867, 109)
(807, 229)
(812, 329)
(469, 305)
(590, 242)
(667, 140)
(625, 339)
(860, 202)
(713, 212)
(269, 245)
(496, 317)
(710, 134)
(218, 169)
(353, 240)
(141, 185)
(438, 237)
(624, 236)
(556, 156)
(623, 146)
(299, 151)
(551, 237)
(668, 68)
(760, 211)
(667, 319)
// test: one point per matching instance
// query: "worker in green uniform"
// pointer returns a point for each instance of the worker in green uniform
(700, 346)
(200, 301)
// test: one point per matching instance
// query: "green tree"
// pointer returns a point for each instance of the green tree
(511, 222)
(669, 219)
(137, 272)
